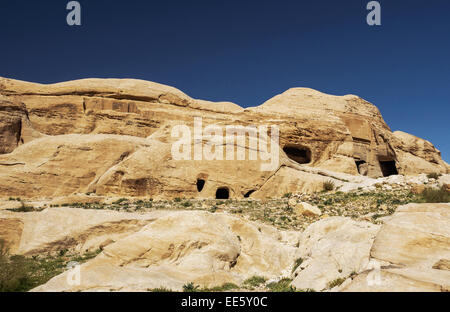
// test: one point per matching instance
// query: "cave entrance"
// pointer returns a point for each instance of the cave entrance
(200, 185)
(299, 154)
(361, 165)
(247, 195)
(222, 193)
(388, 168)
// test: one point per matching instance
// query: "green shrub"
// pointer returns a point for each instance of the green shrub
(14, 274)
(255, 281)
(433, 175)
(23, 208)
(329, 186)
(283, 285)
(20, 274)
(432, 195)
(224, 287)
(297, 263)
(336, 282)
(190, 287)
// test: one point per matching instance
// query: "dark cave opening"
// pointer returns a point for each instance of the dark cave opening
(388, 168)
(247, 195)
(200, 185)
(222, 193)
(301, 155)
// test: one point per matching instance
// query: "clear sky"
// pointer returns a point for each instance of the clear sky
(247, 51)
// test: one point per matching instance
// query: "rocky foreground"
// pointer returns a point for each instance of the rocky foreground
(362, 240)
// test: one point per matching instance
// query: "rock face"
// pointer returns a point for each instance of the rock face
(333, 248)
(176, 248)
(412, 250)
(163, 248)
(114, 137)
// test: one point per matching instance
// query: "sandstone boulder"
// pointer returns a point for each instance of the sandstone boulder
(55, 229)
(306, 209)
(411, 250)
(182, 247)
(333, 248)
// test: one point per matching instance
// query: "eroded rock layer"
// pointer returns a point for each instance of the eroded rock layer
(113, 137)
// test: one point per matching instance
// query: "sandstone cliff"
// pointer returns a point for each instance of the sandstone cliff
(113, 137)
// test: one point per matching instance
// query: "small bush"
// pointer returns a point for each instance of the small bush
(224, 287)
(177, 199)
(433, 175)
(23, 208)
(190, 287)
(432, 195)
(186, 204)
(255, 281)
(336, 282)
(329, 186)
(283, 285)
(297, 263)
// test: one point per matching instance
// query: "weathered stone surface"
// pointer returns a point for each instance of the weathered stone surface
(61, 165)
(172, 248)
(413, 247)
(15, 127)
(317, 131)
(417, 155)
(305, 209)
(333, 248)
(10, 234)
(56, 229)
(182, 247)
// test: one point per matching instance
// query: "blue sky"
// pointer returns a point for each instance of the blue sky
(247, 51)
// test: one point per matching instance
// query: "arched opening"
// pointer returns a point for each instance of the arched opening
(222, 193)
(247, 195)
(388, 168)
(362, 167)
(200, 185)
(299, 154)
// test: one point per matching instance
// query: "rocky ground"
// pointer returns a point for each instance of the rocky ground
(300, 242)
